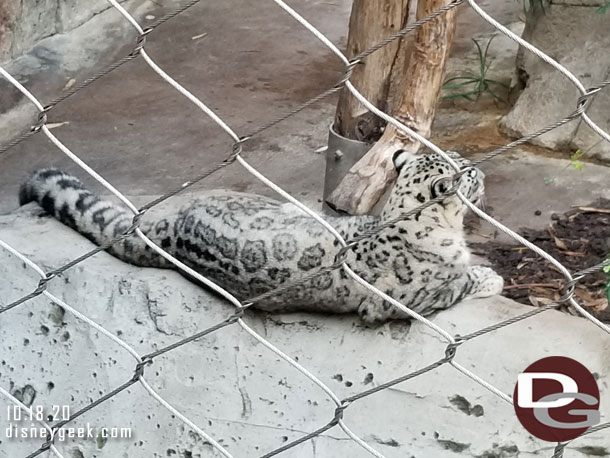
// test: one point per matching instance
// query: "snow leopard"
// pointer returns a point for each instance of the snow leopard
(250, 244)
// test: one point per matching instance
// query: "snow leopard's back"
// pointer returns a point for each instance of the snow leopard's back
(245, 243)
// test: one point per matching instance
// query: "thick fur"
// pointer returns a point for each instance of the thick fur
(250, 244)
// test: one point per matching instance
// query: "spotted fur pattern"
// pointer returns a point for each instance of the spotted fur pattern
(249, 244)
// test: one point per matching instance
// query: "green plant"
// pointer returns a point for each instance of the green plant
(575, 161)
(472, 85)
(575, 158)
(607, 272)
(603, 8)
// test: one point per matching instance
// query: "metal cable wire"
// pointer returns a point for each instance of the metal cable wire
(18, 403)
(537, 52)
(560, 447)
(341, 258)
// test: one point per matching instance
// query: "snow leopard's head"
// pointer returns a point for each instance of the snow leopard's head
(424, 177)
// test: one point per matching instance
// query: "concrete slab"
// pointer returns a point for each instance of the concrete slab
(245, 396)
(524, 190)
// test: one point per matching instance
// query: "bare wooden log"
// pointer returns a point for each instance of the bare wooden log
(368, 179)
(370, 22)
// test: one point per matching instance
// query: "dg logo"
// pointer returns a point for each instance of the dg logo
(557, 399)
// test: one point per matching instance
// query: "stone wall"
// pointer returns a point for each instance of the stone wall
(25, 22)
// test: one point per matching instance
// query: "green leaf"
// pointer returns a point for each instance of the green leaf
(486, 65)
(578, 165)
(458, 85)
(478, 83)
(481, 57)
(606, 269)
(575, 162)
(459, 78)
(576, 155)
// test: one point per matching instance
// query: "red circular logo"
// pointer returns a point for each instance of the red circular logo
(557, 399)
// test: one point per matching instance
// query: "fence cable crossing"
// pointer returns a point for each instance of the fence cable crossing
(235, 156)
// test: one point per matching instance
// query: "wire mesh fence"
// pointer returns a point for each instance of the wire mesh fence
(240, 142)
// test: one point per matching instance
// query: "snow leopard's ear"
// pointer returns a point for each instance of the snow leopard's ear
(400, 158)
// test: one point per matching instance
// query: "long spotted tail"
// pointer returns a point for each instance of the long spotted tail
(101, 221)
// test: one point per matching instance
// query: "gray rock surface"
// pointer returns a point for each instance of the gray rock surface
(25, 22)
(578, 39)
(525, 190)
(244, 395)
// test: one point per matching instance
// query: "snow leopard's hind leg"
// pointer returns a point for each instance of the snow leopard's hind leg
(64, 197)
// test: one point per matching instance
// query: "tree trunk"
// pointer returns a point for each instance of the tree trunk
(370, 22)
(368, 179)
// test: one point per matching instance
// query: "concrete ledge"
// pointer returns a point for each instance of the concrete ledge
(244, 395)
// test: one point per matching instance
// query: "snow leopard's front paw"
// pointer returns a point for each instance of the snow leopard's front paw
(485, 282)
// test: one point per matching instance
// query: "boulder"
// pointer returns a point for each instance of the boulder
(25, 22)
(240, 392)
(572, 33)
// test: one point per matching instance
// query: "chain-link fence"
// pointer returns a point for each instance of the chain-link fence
(235, 156)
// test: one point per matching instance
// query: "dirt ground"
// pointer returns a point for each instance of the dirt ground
(580, 238)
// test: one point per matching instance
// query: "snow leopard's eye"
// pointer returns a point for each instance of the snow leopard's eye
(440, 186)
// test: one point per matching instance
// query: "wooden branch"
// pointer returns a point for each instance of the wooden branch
(370, 22)
(369, 178)
(530, 285)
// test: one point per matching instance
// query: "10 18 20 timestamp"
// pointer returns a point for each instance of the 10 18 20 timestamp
(38, 413)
